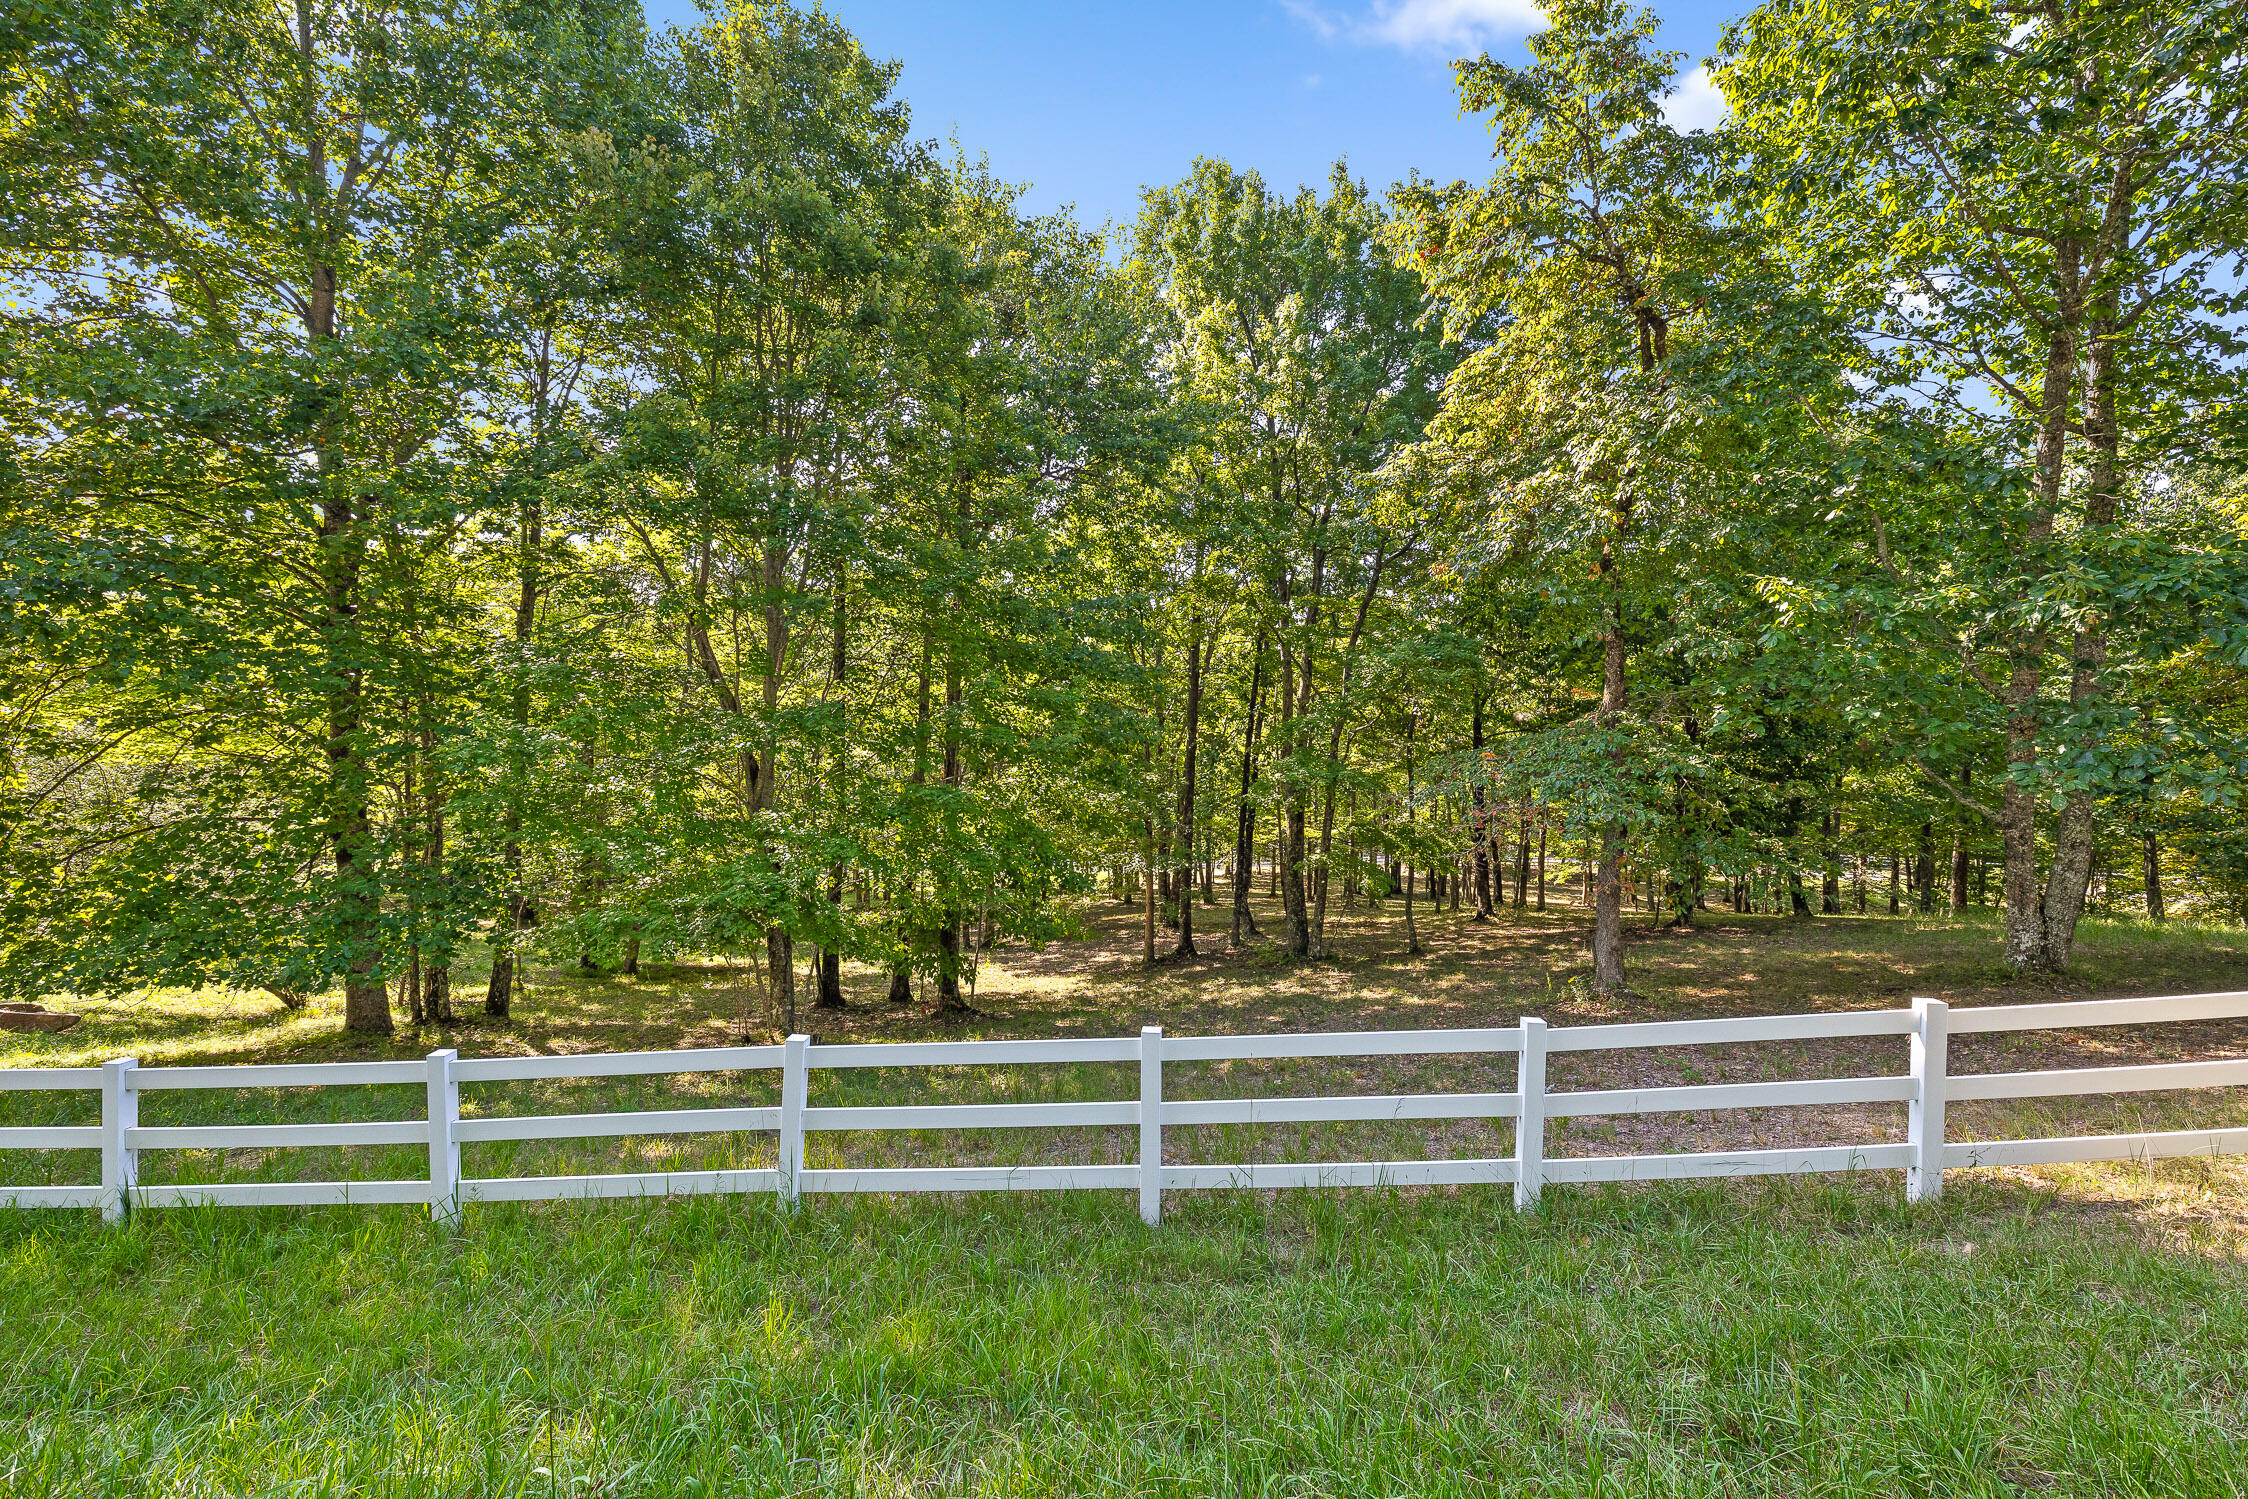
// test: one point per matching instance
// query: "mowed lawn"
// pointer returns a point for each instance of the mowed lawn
(2079, 1330)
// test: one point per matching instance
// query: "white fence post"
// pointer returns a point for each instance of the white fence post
(795, 1083)
(444, 1144)
(1924, 1115)
(120, 1163)
(1529, 1126)
(1151, 1124)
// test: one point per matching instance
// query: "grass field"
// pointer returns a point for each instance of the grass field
(2064, 1330)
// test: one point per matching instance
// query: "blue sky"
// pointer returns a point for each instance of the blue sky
(1088, 100)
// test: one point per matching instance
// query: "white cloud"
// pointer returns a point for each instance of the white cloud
(1695, 104)
(1317, 21)
(1417, 25)
(1313, 80)
(1454, 24)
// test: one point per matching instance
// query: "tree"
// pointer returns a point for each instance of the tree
(2028, 205)
(759, 255)
(1303, 343)
(1582, 246)
(253, 237)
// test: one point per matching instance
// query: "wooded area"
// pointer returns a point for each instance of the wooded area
(490, 480)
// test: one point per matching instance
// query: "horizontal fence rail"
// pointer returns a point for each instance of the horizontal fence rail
(1925, 1087)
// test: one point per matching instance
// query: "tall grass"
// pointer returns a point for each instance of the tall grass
(1781, 1340)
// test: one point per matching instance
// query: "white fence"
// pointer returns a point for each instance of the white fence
(1925, 1087)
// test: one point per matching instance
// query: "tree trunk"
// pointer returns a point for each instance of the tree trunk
(437, 978)
(1147, 893)
(2068, 880)
(1351, 882)
(1412, 933)
(1296, 917)
(413, 851)
(2071, 872)
(831, 973)
(1522, 863)
(2026, 949)
(1608, 914)
(780, 942)
(780, 975)
(350, 819)
(901, 976)
(1541, 864)
(2017, 836)
(1684, 894)
(1608, 895)
(1319, 874)
(366, 998)
(1924, 871)
(2150, 855)
(437, 993)
(830, 989)
(1479, 825)
(530, 539)
(348, 815)
(1335, 751)
(949, 1001)
(1191, 731)
(1830, 878)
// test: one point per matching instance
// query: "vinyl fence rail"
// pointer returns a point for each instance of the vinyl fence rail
(1924, 1087)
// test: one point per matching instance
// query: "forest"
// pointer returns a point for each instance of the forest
(489, 483)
